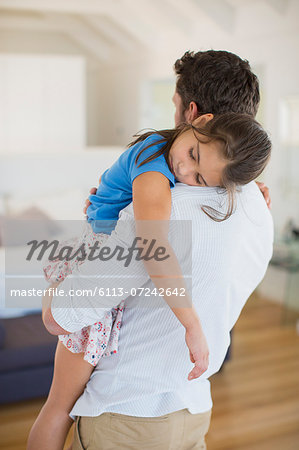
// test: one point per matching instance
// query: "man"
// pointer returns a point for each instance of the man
(140, 397)
(213, 82)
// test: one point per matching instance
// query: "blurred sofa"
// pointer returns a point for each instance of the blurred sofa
(26, 358)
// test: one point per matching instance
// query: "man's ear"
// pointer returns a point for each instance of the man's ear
(191, 112)
(202, 120)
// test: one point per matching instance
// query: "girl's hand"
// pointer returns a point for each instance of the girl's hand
(199, 351)
(265, 191)
(92, 191)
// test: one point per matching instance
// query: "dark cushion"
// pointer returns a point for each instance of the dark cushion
(2, 335)
(26, 343)
(25, 384)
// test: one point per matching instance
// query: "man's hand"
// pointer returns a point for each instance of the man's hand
(199, 351)
(265, 191)
(92, 192)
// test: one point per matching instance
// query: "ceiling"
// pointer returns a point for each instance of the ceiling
(101, 27)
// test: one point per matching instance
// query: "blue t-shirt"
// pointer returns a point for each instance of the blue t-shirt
(115, 190)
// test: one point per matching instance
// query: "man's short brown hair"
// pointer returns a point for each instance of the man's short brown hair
(218, 82)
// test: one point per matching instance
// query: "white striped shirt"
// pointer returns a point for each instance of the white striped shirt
(148, 375)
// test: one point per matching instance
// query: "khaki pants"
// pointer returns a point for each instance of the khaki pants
(175, 431)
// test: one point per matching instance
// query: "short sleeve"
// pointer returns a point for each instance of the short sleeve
(158, 164)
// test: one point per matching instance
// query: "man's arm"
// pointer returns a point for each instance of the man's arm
(92, 191)
(265, 191)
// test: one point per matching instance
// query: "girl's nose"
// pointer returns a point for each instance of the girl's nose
(185, 169)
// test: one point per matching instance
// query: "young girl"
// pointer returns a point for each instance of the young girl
(226, 151)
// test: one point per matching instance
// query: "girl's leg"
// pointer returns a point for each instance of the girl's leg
(71, 373)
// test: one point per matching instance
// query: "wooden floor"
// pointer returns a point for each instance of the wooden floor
(256, 395)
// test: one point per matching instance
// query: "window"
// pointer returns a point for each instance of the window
(289, 136)
(157, 109)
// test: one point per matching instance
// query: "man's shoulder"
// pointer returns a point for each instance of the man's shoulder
(198, 193)
(248, 203)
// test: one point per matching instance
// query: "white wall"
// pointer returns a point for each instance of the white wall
(120, 100)
(38, 108)
(51, 43)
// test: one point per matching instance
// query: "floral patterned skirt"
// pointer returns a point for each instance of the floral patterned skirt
(101, 338)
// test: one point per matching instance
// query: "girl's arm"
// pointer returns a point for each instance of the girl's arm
(48, 320)
(152, 209)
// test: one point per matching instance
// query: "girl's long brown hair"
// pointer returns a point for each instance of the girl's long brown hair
(243, 143)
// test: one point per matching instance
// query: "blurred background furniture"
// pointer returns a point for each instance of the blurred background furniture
(26, 358)
(286, 258)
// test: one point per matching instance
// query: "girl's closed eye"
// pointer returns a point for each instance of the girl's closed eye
(197, 179)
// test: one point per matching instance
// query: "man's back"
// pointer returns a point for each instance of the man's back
(148, 375)
(229, 258)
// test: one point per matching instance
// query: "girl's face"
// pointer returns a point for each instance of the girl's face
(196, 163)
